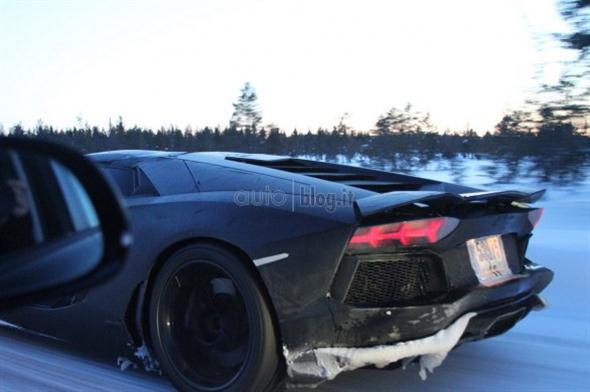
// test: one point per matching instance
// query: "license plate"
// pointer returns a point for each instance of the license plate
(488, 260)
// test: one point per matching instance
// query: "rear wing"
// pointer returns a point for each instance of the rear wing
(387, 202)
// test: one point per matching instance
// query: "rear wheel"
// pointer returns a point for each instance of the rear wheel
(210, 325)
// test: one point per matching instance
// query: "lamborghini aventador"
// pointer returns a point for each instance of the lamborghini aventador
(249, 271)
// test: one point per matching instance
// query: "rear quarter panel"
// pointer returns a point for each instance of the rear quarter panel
(312, 237)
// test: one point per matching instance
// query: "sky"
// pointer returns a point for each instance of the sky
(183, 63)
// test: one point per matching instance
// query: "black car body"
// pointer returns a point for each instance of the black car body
(294, 221)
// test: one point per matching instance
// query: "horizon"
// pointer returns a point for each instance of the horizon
(183, 64)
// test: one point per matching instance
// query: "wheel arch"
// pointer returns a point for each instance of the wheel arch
(137, 313)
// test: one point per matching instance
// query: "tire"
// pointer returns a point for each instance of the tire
(210, 325)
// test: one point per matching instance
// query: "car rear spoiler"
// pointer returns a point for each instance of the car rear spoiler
(387, 202)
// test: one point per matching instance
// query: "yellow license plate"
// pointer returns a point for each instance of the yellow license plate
(488, 259)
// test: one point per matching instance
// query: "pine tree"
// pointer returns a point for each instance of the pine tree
(514, 123)
(568, 100)
(246, 113)
(403, 121)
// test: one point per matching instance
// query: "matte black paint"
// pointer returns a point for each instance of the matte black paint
(196, 202)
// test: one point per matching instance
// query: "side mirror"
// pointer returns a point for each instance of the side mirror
(62, 225)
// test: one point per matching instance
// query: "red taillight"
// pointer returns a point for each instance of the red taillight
(535, 216)
(424, 231)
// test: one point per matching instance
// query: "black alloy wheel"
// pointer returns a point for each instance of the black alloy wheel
(210, 324)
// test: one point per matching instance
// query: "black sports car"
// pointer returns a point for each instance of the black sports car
(250, 269)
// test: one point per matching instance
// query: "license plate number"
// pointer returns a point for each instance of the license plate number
(488, 260)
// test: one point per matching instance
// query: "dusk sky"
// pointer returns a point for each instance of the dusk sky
(183, 63)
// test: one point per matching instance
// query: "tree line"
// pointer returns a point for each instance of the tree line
(536, 145)
(393, 134)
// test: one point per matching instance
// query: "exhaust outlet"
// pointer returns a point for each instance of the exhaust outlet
(538, 303)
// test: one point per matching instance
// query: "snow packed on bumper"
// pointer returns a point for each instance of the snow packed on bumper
(312, 367)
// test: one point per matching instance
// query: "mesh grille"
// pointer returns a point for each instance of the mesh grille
(389, 281)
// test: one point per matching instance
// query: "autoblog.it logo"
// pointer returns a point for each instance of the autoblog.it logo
(301, 196)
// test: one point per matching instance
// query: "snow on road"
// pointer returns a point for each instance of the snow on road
(30, 366)
(548, 351)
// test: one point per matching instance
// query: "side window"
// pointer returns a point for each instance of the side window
(123, 177)
(130, 181)
(51, 210)
(16, 224)
(169, 176)
(32, 203)
(82, 212)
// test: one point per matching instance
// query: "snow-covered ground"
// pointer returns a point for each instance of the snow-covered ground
(30, 366)
(548, 351)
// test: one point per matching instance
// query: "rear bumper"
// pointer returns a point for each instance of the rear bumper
(495, 320)
(388, 325)
(496, 310)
